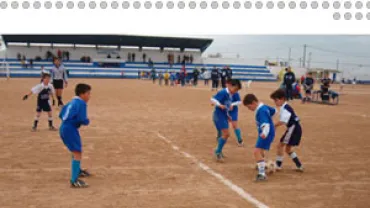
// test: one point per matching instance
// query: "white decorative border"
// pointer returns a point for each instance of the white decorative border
(188, 17)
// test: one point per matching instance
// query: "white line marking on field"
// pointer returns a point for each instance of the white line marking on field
(221, 178)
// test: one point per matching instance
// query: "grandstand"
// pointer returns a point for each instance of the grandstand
(98, 47)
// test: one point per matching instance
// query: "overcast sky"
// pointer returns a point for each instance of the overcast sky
(353, 52)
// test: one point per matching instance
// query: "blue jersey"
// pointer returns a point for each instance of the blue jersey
(235, 101)
(264, 115)
(223, 97)
(75, 113)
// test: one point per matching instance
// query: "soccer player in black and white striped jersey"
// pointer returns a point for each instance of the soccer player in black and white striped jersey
(59, 79)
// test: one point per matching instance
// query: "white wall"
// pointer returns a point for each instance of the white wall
(76, 54)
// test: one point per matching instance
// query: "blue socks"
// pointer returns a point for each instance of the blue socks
(238, 135)
(220, 146)
(219, 133)
(75, 170)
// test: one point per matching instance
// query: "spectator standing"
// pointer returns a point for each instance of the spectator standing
(129, 57)
(19, 56)
(206, 76)
(31, 63)
(67, 55)
(191, 58)
(172, 78)
(289, 79)
(133, 57)
(196, 75)
(229, 73)
(153, 75)
(166, 78)
(178, 59)
(161, 77)
(109, 56)
(59, 53)
(150, 63)
(215, 78)
(144, 57)
(223, 77)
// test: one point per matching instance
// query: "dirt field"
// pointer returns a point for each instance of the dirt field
(125, 148)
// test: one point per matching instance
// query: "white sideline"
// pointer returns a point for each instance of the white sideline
(222, 179)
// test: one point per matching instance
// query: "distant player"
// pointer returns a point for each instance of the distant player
(233, 112)
(308, 84)
(59, 78)
(266, 131)
(43, 90)
(292, 135)
(222, 101)
(73, 115)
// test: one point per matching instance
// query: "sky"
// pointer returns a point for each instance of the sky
(352, 52)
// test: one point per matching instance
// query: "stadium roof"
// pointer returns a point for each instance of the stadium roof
(113, 40)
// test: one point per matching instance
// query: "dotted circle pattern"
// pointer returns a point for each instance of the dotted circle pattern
(202, 4)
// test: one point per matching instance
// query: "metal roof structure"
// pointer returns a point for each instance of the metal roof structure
(113, 40)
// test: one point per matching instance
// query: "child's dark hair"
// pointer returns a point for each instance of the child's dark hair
(44, 75)
(81, 89)
(249, 99)
(278, 94)
(235, 82)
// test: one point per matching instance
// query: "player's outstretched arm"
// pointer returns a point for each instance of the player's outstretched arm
(25, 97)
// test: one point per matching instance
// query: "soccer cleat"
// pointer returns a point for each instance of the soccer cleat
(219, 157)
(300, 169)
(261, 177)
(34, 129)
(84, 173)
(79, 184)
(52, 128)
(240, 143)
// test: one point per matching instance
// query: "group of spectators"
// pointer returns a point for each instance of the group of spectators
(218, 76)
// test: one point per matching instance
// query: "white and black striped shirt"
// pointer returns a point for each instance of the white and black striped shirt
(59, 73)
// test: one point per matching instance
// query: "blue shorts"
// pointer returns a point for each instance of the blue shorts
(234, 114)
(265, 143)
(220, 121)
(71, 138)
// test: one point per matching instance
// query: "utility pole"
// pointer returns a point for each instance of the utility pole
(309, 60)
(304, 55)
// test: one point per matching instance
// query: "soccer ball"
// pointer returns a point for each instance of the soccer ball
(270, 167)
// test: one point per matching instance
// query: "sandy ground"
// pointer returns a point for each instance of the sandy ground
(133, 167)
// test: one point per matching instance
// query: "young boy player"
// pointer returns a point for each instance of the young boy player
(265, 129)
(222, 101)
(292, 136)
(73, 115)
(43, 90)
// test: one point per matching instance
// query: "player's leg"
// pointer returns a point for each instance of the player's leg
(221, 143)
(289, 150)
(238, 134)
(50, 120)
(279, 155)
(37, 117)
(261, 164)
(71, 139)
(294, 141)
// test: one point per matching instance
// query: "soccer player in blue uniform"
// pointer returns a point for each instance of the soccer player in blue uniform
(292, 135)
(233, 112)
(266, 131)
(73, 115)
(43, 90)
(222, 101)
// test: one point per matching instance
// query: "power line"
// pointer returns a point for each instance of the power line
(337, 52)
